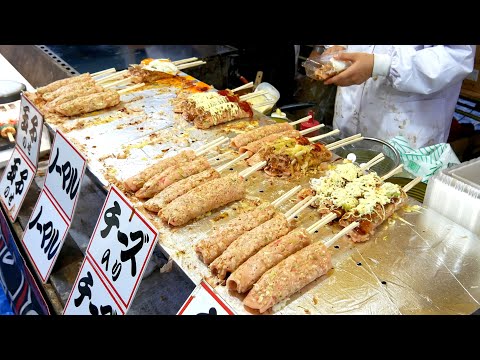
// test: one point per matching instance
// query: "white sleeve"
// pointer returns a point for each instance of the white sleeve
(431, 69)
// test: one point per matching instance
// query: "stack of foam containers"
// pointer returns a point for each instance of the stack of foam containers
(455, 193)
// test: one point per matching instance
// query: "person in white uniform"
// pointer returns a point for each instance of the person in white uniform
(408, 90)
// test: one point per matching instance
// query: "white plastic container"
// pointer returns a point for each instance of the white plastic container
(455, 193)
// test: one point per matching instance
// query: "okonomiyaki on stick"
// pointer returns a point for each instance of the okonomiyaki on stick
(223, 113)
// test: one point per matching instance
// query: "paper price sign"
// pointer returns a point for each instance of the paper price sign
(16, 180)
(204, 301)
(45, 234)
(29, 130)
(121, 245)
(65, 171)
(90, 296)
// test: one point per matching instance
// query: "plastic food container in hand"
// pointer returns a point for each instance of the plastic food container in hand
(324, 66)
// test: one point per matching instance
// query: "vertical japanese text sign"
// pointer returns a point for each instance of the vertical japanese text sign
(29, 130)
(204, 301)
(117, 254)
(22, 166)
(51, 218)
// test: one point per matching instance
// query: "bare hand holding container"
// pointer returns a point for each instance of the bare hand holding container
(324, 67)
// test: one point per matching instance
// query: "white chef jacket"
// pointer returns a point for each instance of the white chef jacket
(412, 92)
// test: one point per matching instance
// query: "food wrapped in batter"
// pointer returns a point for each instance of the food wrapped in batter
(89, 103)
(289, 276)
(255, 146)
(171, 175)
(213, 246)
(184, 103)
(59, 83)
(50, 96)
(223, 113)
(73, 94)
(179, 188)
(293, 156)
(137, 181)
(247, 274)
(152, 71)
(248, 244)
(260, 133)
(373, 209)
(204, 198)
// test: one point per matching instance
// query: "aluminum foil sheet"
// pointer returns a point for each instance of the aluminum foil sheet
(418, 262)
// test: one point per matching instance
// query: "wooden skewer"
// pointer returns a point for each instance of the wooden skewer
(298, 205)
(323, 221)
(287, 195)
(243, 87)
(392, 172)
(10, 137)
(219, 157)
(316, 138)
(211, 146)
(412, 183)
(234, 161)
(191, 64)
(108, 78)
(183, 61)
(118, 83)
(373, 164)
(341, 233)
(302, 120)
(130, 88)
(210, 143)
(103, 72)
(346, 141)
(247, 172)
(312, 129)
(370, 163)
(252, 95)
(300, 209)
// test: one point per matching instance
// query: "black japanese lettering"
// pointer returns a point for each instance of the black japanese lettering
(20, 183)
(83, 287)
(70, 175)
(105, 258)
(111, 218)
(212, 311)
(33, 130)
(53, 165)
(34, 222)
(116, 270)
(13, 170)
(107, 310)
(24, 123)
(6, 191)
(129, 254)
(51, 234)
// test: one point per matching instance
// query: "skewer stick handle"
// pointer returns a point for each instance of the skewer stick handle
(118, 83)
(211, 146)
(103, 72)
(341, 233)
(190, 65)
(183, 61)
(341, 141)
(369, 163)
(209, 143)
(412, 183)
(279, 201)
(316, 138)
(108, 78)
(303, 207)
(312, 129)
(230, 163)
(302, 120)
(247, 172)
(243, 87)
(130, 88)
(10, 137)
(332, 147)
(298, 205)
(392, 172)
(322, 222)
